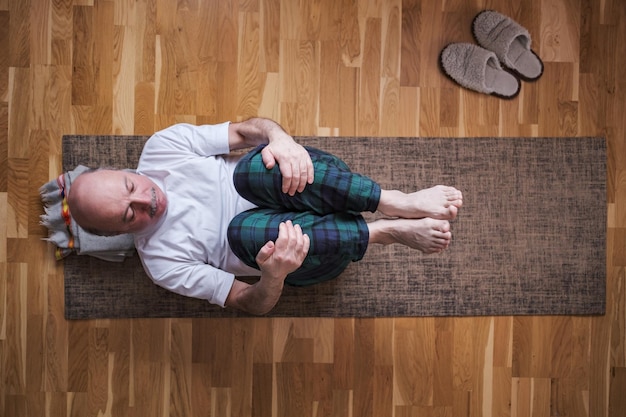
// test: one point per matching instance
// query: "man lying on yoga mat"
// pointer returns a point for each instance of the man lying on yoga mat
(201, 215)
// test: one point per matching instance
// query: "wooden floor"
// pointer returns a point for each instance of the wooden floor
(324, 67)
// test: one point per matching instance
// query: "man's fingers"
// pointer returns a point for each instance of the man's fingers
(291, 236)
(303, 242)
(284, 230)
(290, 180)
(302, 173)
(298, 238)
(307, 245)
(310, 171)
(294, 162)
(268, 158)
(304, 177)
(305, 172)
(266, 251)
(291, 249)
(285, 171)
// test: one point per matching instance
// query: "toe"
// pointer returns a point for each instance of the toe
(453, 210)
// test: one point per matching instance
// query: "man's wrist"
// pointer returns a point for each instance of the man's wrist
(272, 282)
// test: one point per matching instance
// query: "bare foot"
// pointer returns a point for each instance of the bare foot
(426, 234)
(438, 202)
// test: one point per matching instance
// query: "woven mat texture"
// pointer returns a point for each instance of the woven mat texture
(530, 238)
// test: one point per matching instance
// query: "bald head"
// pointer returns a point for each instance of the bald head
(113, 202)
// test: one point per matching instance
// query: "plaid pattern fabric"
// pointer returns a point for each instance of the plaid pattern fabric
(334, 189)
(327, 210)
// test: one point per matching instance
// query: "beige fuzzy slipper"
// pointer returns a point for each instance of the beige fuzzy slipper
(478, 69)
(509, 41)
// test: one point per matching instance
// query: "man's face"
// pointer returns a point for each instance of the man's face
(116, 201)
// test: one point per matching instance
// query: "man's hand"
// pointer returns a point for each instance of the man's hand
(293, 161)
(276, 260)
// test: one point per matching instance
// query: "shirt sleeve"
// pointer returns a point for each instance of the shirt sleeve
(194, 280)
(185, 139)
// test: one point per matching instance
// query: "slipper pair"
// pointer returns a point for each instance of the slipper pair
(503, 42)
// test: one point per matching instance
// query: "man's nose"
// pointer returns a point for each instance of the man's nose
(142, 200)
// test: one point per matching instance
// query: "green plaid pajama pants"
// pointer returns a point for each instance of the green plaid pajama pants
(328, 211)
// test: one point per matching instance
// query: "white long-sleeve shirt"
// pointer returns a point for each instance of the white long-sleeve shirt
(187, 251)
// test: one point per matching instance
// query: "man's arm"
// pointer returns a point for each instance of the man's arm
(253, 132)
(293, 160)
(276, 261)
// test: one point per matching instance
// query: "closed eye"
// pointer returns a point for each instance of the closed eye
(129, 213)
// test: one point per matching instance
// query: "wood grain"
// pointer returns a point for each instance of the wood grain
(321, 67)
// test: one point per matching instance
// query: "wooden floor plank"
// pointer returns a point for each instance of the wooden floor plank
(326, 67)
